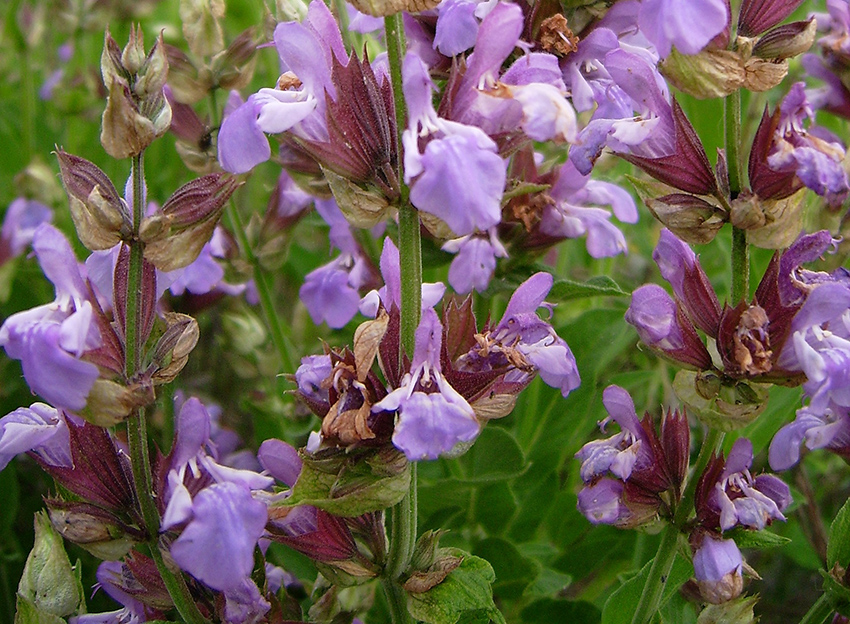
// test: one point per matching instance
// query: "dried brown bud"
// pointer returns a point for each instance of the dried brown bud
(556, 37)
(173, 348)
(786, 41)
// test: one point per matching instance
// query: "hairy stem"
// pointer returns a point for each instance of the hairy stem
(137, 438)
(403, 536)
(740, 250)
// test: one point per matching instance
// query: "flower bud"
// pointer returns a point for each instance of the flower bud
(90, 527)
(175, 235)
(689, 217)
(363, 208)
(172, 351)
(109, 402)
(717, 568)
(234, 67)
(49, 583)
(136, 110)
(100, 216)
(786, 41)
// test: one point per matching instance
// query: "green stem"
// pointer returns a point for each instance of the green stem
(820, 612)
(397, 601)
(341, 13)
(650, 599)
(137, 438)
(29, 106)
(740, 251)
(403, 537)
(264, 289)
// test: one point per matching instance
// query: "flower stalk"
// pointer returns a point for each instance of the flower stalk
(137, 439)
(740, 250)
(404, 514)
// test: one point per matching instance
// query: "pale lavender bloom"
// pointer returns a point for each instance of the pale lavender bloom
(112, 578)
(689, 25)
(50, 339)
(331, 292)
(20, 222)
(307, 51)
(820, 345)
(764, 497)
(362, 22)
(222, 521)
(314, 369)
(662, 327)
(717, 569)
(571, 217)
(621, 453)
(475, 261)
(291, 199)
(244, 604)
(601, 502)
(458, 175)
(644, 127)
(433, 418)
(389, 294)
(817, 162)
(225, 526)
(521, 329)
(827, 428)
(530, 95)
(457, 26)
(204, 274)
(38, 428)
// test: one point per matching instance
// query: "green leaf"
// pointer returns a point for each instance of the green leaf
(514, 572)
(353, 488)
(27, 613)
(620, 606)
(464, 596)
(548, 610)
(838, 547)
(757, 539)
(495, 456)
(839, 594)
(601, 285)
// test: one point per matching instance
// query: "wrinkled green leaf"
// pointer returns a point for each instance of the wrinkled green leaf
(601, 285)
(757, 539)
(464, 596)
(359, 487)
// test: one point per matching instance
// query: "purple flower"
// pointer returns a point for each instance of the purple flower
(570, 216)
(744, 500)
(38, 428)
(433, 418)
(475, 261)
(717, 568)
(602, 502)
(454, 170)
(205, 274)
(827, 428)
(816, 161)
(50, 339)
(225, 526)
(222, 520)
(306, 53)
(689, 25)
(20, 222)
(389, 295)
(620, 453)
(525, 341)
